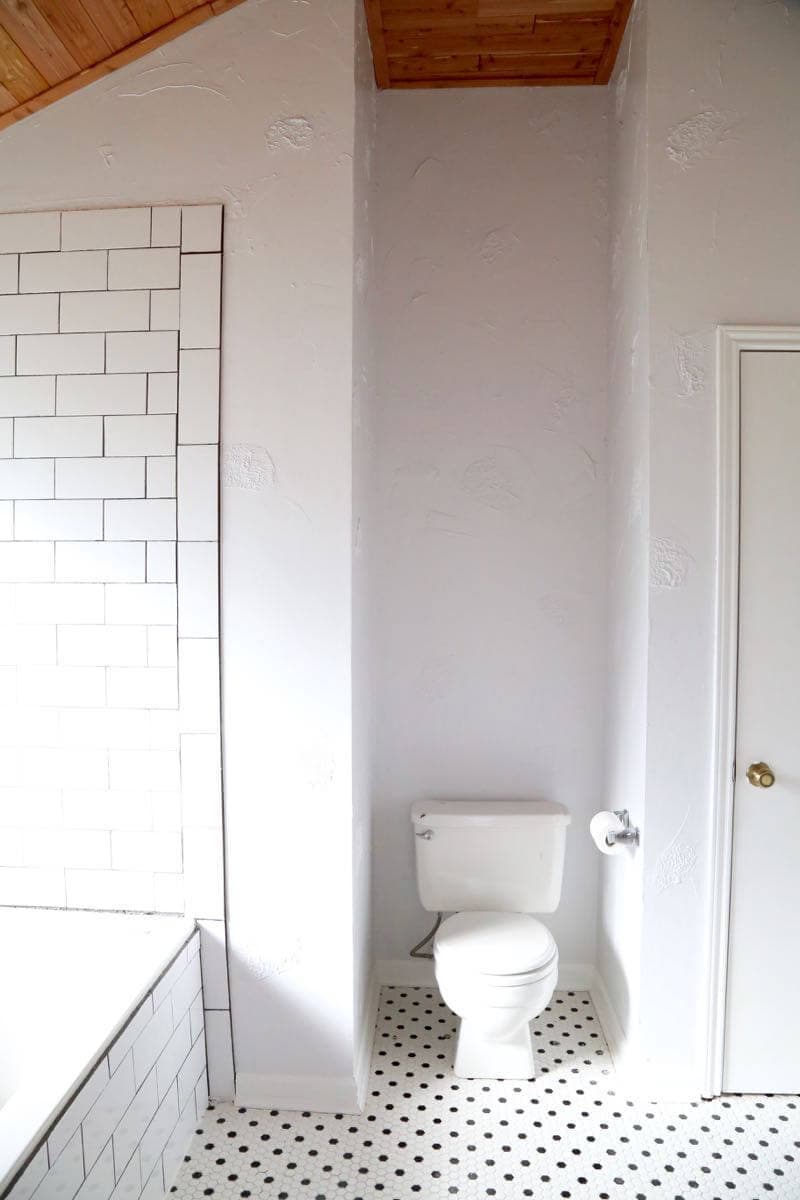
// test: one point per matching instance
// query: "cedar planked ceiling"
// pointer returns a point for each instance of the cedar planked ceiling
(495, 43)
(50, 48)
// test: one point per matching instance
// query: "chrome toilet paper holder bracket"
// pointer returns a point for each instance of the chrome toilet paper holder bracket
(628, 835)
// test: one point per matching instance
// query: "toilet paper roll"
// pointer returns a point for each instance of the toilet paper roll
(600, 826)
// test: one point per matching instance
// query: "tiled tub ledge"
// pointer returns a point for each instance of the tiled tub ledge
(102, 1057)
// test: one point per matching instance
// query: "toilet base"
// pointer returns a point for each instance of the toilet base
(482, 1057)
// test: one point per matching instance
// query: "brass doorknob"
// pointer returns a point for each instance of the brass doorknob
(760, 775)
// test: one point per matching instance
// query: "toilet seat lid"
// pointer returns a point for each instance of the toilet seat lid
(494, 943)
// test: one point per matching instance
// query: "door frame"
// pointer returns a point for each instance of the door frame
(732, 340)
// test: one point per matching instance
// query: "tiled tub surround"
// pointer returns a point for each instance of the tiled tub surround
(102, 1061)
(109, 664)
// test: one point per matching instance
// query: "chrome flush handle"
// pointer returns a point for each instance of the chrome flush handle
(425, 834)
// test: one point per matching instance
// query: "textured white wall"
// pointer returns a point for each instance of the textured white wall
(620, 908)
(256, 109)
(492, 246)
(722, 144)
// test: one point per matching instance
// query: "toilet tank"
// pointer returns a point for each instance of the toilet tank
(501, 856)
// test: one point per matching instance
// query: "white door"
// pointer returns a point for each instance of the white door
(762, 1036)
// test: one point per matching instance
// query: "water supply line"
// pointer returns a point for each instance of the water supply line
(418, 952)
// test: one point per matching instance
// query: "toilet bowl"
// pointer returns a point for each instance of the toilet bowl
(496, 971)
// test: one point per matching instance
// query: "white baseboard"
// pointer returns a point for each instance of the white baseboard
(418, 972)
(366, 1042)
(299, 1093)
(607, 1016)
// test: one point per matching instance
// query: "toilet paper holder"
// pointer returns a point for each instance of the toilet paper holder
(629, 834)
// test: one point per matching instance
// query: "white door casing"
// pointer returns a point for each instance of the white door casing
(735, 979)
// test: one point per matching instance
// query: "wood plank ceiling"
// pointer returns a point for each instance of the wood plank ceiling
(49, 48)
(495, 43)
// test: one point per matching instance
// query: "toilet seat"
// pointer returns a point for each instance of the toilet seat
(501, 948)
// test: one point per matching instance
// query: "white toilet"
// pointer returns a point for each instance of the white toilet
(492, 864)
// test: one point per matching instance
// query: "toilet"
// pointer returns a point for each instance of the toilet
(492, 864)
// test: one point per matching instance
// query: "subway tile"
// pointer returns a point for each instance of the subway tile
(12, 852)
(31, 1177)
(108, 1109)
(33, 645)
(126, 436)
(192, 1069)
(156, 268)
(151, 770)
(166, 226)
(161, 477)
(162, 646)
(130, 1033)
(63, 272)
(186, 989)
(102, 645)
(60, 603)
(219, 1050)
(201, 230)
(8, 602)
(129, 1186)
(202, 872)
(138, 1115)
(98, 395)
(154, 1189)
(32, 887)
(99, 562)
(98, 889)
(42, 807)
(8, 355)
(179, 1142)
(118, 729)
(6, 520)
(29, 725)
(62, 687)
(89, 312)
(29, 231)
(65, 1175)
(196, 1024)
(9, 274)
(66, 1125)
(167, 981)
(53, 520)
(161, 566)
(6, 437)
(140, 351)
(145, 603)
(198, 665)
(201, 780)
(108, 478)
(99, 1182)
(101, 809)
(8, 685)
(165, 309)
(29, 314)
(215, 967)
(67, 848)
(151, 1042)
(164, 733)
(61, 353)
(198, 470)
(158, 1131)
(198, 406)
(201, 1094)
(105, 228)
(26, 562)
(168, 892)
(162, 393)
(148, 520)
(21, 480)
(145, 850)
(27, 396)
(142, 687)
(200, 300)
(62, 437)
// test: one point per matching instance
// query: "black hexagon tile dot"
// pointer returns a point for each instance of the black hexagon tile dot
(426, 1135)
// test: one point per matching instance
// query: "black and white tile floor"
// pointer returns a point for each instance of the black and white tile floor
(425, 1134)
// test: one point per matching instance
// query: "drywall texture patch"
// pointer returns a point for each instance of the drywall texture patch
(669, 563)
(488, 547)
(249, 468)
(290, 133)
(697, 137)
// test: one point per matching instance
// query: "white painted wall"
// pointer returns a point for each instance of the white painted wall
(620, 907)
(722, 141)
(256, 108)
(489, 547)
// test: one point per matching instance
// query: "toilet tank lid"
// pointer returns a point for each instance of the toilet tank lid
(484, 814)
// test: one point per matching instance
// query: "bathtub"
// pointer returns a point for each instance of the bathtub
(70, 984)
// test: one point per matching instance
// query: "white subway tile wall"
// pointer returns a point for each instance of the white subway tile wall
(109, 418)
(125, 1133)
